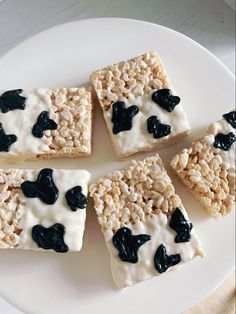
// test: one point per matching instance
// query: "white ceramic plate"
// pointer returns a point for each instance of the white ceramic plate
(81, 282)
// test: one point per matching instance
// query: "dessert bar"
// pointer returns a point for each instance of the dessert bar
(45, 123)
(207, 167)
(145, 225)
(139, 104)
(43, 209)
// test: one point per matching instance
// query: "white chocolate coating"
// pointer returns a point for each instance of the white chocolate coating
(222, 126)
(126, 274)
(37, 212)
(20, 123)
(138, 138)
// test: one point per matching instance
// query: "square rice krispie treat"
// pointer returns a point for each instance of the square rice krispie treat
(145, 225)
(44, 123)
(140, 106)
(207, 167)
(43, 209)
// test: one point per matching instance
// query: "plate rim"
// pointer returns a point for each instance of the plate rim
(52, 28)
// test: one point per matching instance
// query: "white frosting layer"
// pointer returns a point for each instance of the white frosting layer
(222, 126)
(20, 123)
(37, 212)
(127, 274)
(138, 138)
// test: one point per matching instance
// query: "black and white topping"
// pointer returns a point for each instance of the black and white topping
(122, 117)
(156, 256)
(128, 244)
(181, 225)
(230, 117)
(11, 100)
(75, 198)
(50, 238)
(165, 99)
(44, 187)
(43, 123)
(29, 123)
(157, 128)
(6, 140)
(224, 141)
(221, 137)
(48, 218)
(137, 123)
(163, 261)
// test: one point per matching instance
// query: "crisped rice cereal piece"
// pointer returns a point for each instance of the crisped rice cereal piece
(145, 225)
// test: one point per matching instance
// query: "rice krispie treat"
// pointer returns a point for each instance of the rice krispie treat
(43, 209)
(140, 106)
(207, 167)
(145, 225)
(45, 123)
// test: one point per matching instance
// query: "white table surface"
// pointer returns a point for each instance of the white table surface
(209, 22)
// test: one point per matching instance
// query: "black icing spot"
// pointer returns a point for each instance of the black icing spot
(122, 117)
(165, 99)
(11, 100)
(182, 226)
(75, 198)
(162, 261)
(6, 140)
(44, 187)
(43, 123)
(224, 141)
(230, 117)
(50, 238)
(155, 127)
(128, 244)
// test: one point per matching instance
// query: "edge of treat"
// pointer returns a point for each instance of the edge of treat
(120, 68)
(161, 144)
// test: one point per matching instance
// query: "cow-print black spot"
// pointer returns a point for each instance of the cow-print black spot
(122, 117)
(158, 129)
(224, 141)
(230, 117)
(182, 226)
(162, 261)
(128, 244)
(44, 187)
(6, 140)
(43, 123)
(75, 198)
(165, 99)
(50, 238)
(11, 100)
